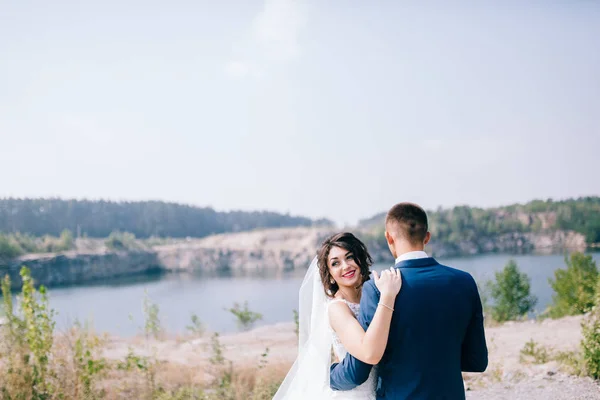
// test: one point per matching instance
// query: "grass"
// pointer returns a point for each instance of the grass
(36, 363)
(572, 362)
(534, 353)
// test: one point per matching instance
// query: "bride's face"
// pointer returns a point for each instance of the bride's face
(343, 267)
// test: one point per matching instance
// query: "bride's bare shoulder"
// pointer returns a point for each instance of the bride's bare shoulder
(338, 308)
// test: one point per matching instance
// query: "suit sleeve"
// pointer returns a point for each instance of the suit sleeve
(474, 357)
(351, 372)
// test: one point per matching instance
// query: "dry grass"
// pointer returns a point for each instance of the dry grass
(143, 377)
(37, 363)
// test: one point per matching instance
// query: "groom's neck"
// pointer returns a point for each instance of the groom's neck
(403, 249)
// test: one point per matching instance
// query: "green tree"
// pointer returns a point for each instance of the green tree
(98, 219)
(590, 329)
(65, 242)
(511, 294)
(9, 248)
(575, 287)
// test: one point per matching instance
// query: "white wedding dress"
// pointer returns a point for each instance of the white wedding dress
(366, 391)
(308, 379)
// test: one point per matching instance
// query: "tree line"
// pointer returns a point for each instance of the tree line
(39, 217)
(463, 223)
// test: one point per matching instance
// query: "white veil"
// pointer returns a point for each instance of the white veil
(309, 376)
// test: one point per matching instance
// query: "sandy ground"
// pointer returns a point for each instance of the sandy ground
(505, 378)
(508, 378)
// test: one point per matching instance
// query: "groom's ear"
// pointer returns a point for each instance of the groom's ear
(427, 238)
(389, 238)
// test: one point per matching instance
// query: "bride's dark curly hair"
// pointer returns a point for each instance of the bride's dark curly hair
(351, 243)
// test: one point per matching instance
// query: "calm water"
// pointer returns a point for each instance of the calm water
(116, 306)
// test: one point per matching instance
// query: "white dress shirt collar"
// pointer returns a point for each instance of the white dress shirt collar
(411, 255)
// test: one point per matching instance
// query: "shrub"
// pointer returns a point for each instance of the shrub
(511, 294)
(16, 244)
(53, 244)
(575, 287)
(590, 344)
(196, 328)
(65, 241)
(120, 241)
(221, 369)
(9, 248)
(35, 365)
(152, 324)
(29, 339)
(534, 352)
(86, 363)
(28, 243)
(245, 317)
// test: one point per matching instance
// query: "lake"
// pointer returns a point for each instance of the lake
(116, 306)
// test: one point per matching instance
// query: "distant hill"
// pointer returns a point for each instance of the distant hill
(143, 218)
(461, 223)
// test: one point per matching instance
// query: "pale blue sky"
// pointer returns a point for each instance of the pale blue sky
(333, 109)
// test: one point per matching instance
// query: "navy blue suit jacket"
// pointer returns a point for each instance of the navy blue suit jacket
(436, 332)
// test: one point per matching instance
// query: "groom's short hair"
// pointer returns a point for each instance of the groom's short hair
(409, 221)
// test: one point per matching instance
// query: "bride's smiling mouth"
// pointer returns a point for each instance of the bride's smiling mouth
(349, 274)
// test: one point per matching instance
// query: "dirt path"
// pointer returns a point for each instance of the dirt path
(505, 378)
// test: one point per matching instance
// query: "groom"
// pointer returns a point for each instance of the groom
(437, 328)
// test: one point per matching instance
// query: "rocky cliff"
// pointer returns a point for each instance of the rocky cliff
(75, 268)
(514, 243)
(280, 250)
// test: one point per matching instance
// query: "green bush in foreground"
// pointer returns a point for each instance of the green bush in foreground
(574, 287)
(511, 294)
(29, 339)
(590, 344)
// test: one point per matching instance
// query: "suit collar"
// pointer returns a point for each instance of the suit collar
(416, 263)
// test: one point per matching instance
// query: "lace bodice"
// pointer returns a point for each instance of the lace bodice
(366, 391)
(338, 347)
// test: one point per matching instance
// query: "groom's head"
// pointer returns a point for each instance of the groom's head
(406, 228)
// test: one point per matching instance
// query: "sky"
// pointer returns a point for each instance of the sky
(335, 109)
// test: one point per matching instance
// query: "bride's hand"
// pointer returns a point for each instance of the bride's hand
(390, 281)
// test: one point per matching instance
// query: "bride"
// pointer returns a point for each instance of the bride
(328, 312)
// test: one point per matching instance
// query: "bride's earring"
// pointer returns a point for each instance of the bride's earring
(332, 281)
